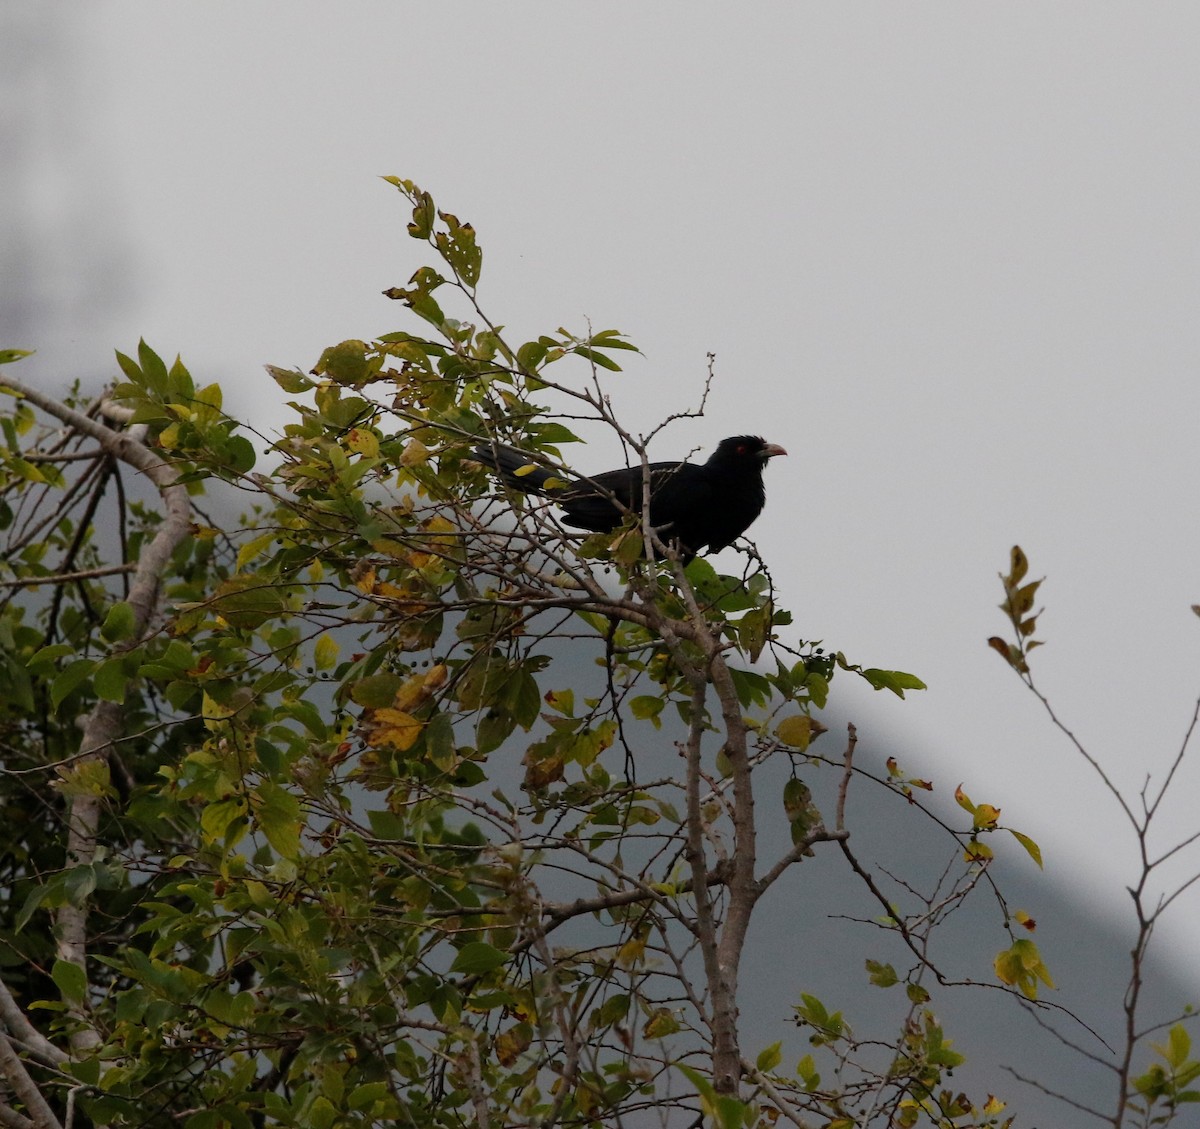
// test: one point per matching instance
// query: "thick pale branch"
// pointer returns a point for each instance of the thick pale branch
(14, 1072)
(19, 1027)
(103, 725)
(11, 1119)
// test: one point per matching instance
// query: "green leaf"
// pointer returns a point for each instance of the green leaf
(322, 1114)
(44, 659)
(71, 980)
(238, 454)
(647, 707)
(120, 622)
(1179, 1045)
(8, 356)
(797, 799)
(153, 369)
(218, 820)
(345, 363)
(612, 339)
(629, 548)
(376, 691)
(882, 975)
(180, 383)
(367, 1094)
(278, 813)
(770, 1058)
(613, 1010)
(597, 358)
(530, 355)
(806, 1070)
(111, 680)
(69, 679)
(248, 602)
(131, 369)
(554, 434)
(730, 1112)
(80, 883)
(423, 212)
(86, 1070)
(34, 899)
(290, 380)
(895, 680)
(478, 957)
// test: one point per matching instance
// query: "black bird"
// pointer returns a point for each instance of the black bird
(699, 505)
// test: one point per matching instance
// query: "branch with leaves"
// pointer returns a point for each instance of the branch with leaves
(1156, 1095)
(429, 808)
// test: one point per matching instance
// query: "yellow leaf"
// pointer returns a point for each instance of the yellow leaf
(1035, 852)
(325, 653)
(509, 1044)
(86, 778)
(414, 453)
(391, 547)
(1022, 967)
(411, 693)
(986, 816)
(213, 712)
(363, 442)
(795, 731)
(209, 396)
(631, 952)
(252, 549)
(393, 728)
(976, 852)
(660, 1024)
(365, 580)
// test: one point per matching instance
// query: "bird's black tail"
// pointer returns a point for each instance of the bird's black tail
(518, 469)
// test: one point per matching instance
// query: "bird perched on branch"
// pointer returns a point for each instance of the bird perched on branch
(699, 505)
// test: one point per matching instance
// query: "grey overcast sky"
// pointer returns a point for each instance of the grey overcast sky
(948, 254)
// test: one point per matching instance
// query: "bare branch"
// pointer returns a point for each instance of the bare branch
(68, 577)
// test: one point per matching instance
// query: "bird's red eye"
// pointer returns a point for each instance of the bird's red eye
(741, 448)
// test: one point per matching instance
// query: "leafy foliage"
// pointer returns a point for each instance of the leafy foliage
(314, 889)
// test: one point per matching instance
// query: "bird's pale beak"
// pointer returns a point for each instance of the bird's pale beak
(771, 450)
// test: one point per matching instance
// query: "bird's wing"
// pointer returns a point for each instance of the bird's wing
(518, 469)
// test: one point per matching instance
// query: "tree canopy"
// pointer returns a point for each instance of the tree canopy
(349, 787)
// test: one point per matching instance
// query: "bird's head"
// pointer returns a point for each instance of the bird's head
(746, 450)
